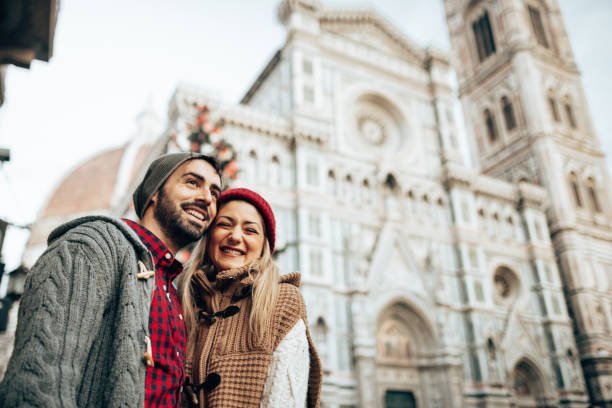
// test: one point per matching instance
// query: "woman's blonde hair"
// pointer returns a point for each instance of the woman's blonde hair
(264, 294)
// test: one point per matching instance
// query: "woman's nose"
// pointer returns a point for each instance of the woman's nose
(235, 235)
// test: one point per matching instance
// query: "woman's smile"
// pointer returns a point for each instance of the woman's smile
(237, 236)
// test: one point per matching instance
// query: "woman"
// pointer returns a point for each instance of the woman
(249, 344)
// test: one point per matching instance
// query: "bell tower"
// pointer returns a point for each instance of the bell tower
(528, 121)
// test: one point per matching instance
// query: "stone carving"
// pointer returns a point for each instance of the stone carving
(372, 129)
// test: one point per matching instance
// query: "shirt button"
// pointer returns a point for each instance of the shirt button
(165, 288)
(178, 354)
(168, 296)
(168, 255)
(180, 316)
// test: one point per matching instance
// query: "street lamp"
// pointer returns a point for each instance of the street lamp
(5, 154)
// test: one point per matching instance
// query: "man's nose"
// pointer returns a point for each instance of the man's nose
(205, 195)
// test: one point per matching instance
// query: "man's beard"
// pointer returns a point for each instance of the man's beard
(173, 221)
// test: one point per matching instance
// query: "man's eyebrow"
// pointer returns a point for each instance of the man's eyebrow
(192, 174)
(216, 187)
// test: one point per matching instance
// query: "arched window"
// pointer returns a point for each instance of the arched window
(275, 171)
(569, 112)
(538, 26)
(319, 336)
(592, 189)
(483, 34)
(251, 169)
(491, 350)
(552, 105)
(391, 182)
(508, 111)
(331, 182)
(366, 193)
(490, 124)
(573, 180)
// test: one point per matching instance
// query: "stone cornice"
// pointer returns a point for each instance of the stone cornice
(311, 130)
(532, 196)
(260, 122)
(495, 188)
(458, 176)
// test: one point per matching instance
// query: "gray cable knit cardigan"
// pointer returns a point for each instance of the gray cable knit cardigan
(82, 321)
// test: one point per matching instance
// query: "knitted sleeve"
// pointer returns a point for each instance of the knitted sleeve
(62, 305)
(287, 381)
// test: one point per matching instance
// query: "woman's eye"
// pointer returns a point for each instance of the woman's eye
(252, 230)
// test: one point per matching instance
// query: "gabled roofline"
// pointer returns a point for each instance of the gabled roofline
(375, 18)
(262, 77)
(423, 55)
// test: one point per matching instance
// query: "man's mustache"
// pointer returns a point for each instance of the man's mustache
(197, 204)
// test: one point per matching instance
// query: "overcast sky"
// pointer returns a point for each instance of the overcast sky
(112, 56)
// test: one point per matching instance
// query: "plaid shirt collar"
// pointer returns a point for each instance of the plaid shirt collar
(163, 258)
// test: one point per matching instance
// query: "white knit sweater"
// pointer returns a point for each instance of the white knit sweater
(287, 381)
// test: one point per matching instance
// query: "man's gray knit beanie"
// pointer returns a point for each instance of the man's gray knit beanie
(157, 174)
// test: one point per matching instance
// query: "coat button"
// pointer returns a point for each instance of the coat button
(211, 382)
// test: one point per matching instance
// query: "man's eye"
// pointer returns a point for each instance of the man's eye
(192, 182)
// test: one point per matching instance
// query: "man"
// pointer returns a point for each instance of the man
(99, 322)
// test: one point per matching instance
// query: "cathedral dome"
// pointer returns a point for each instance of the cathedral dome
(88, 187)
(95, 186)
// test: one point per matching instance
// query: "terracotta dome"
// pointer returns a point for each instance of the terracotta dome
(87, 189)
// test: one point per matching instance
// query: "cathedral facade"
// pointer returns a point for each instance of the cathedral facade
(428, 283)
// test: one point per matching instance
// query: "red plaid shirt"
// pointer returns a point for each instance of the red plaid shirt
(164, 380)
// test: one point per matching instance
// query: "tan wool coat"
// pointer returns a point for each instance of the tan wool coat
(226, 346)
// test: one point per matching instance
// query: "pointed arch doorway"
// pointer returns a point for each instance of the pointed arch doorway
(407, 370)
(527, 386)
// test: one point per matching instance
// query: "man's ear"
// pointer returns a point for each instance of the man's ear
(153, 200)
